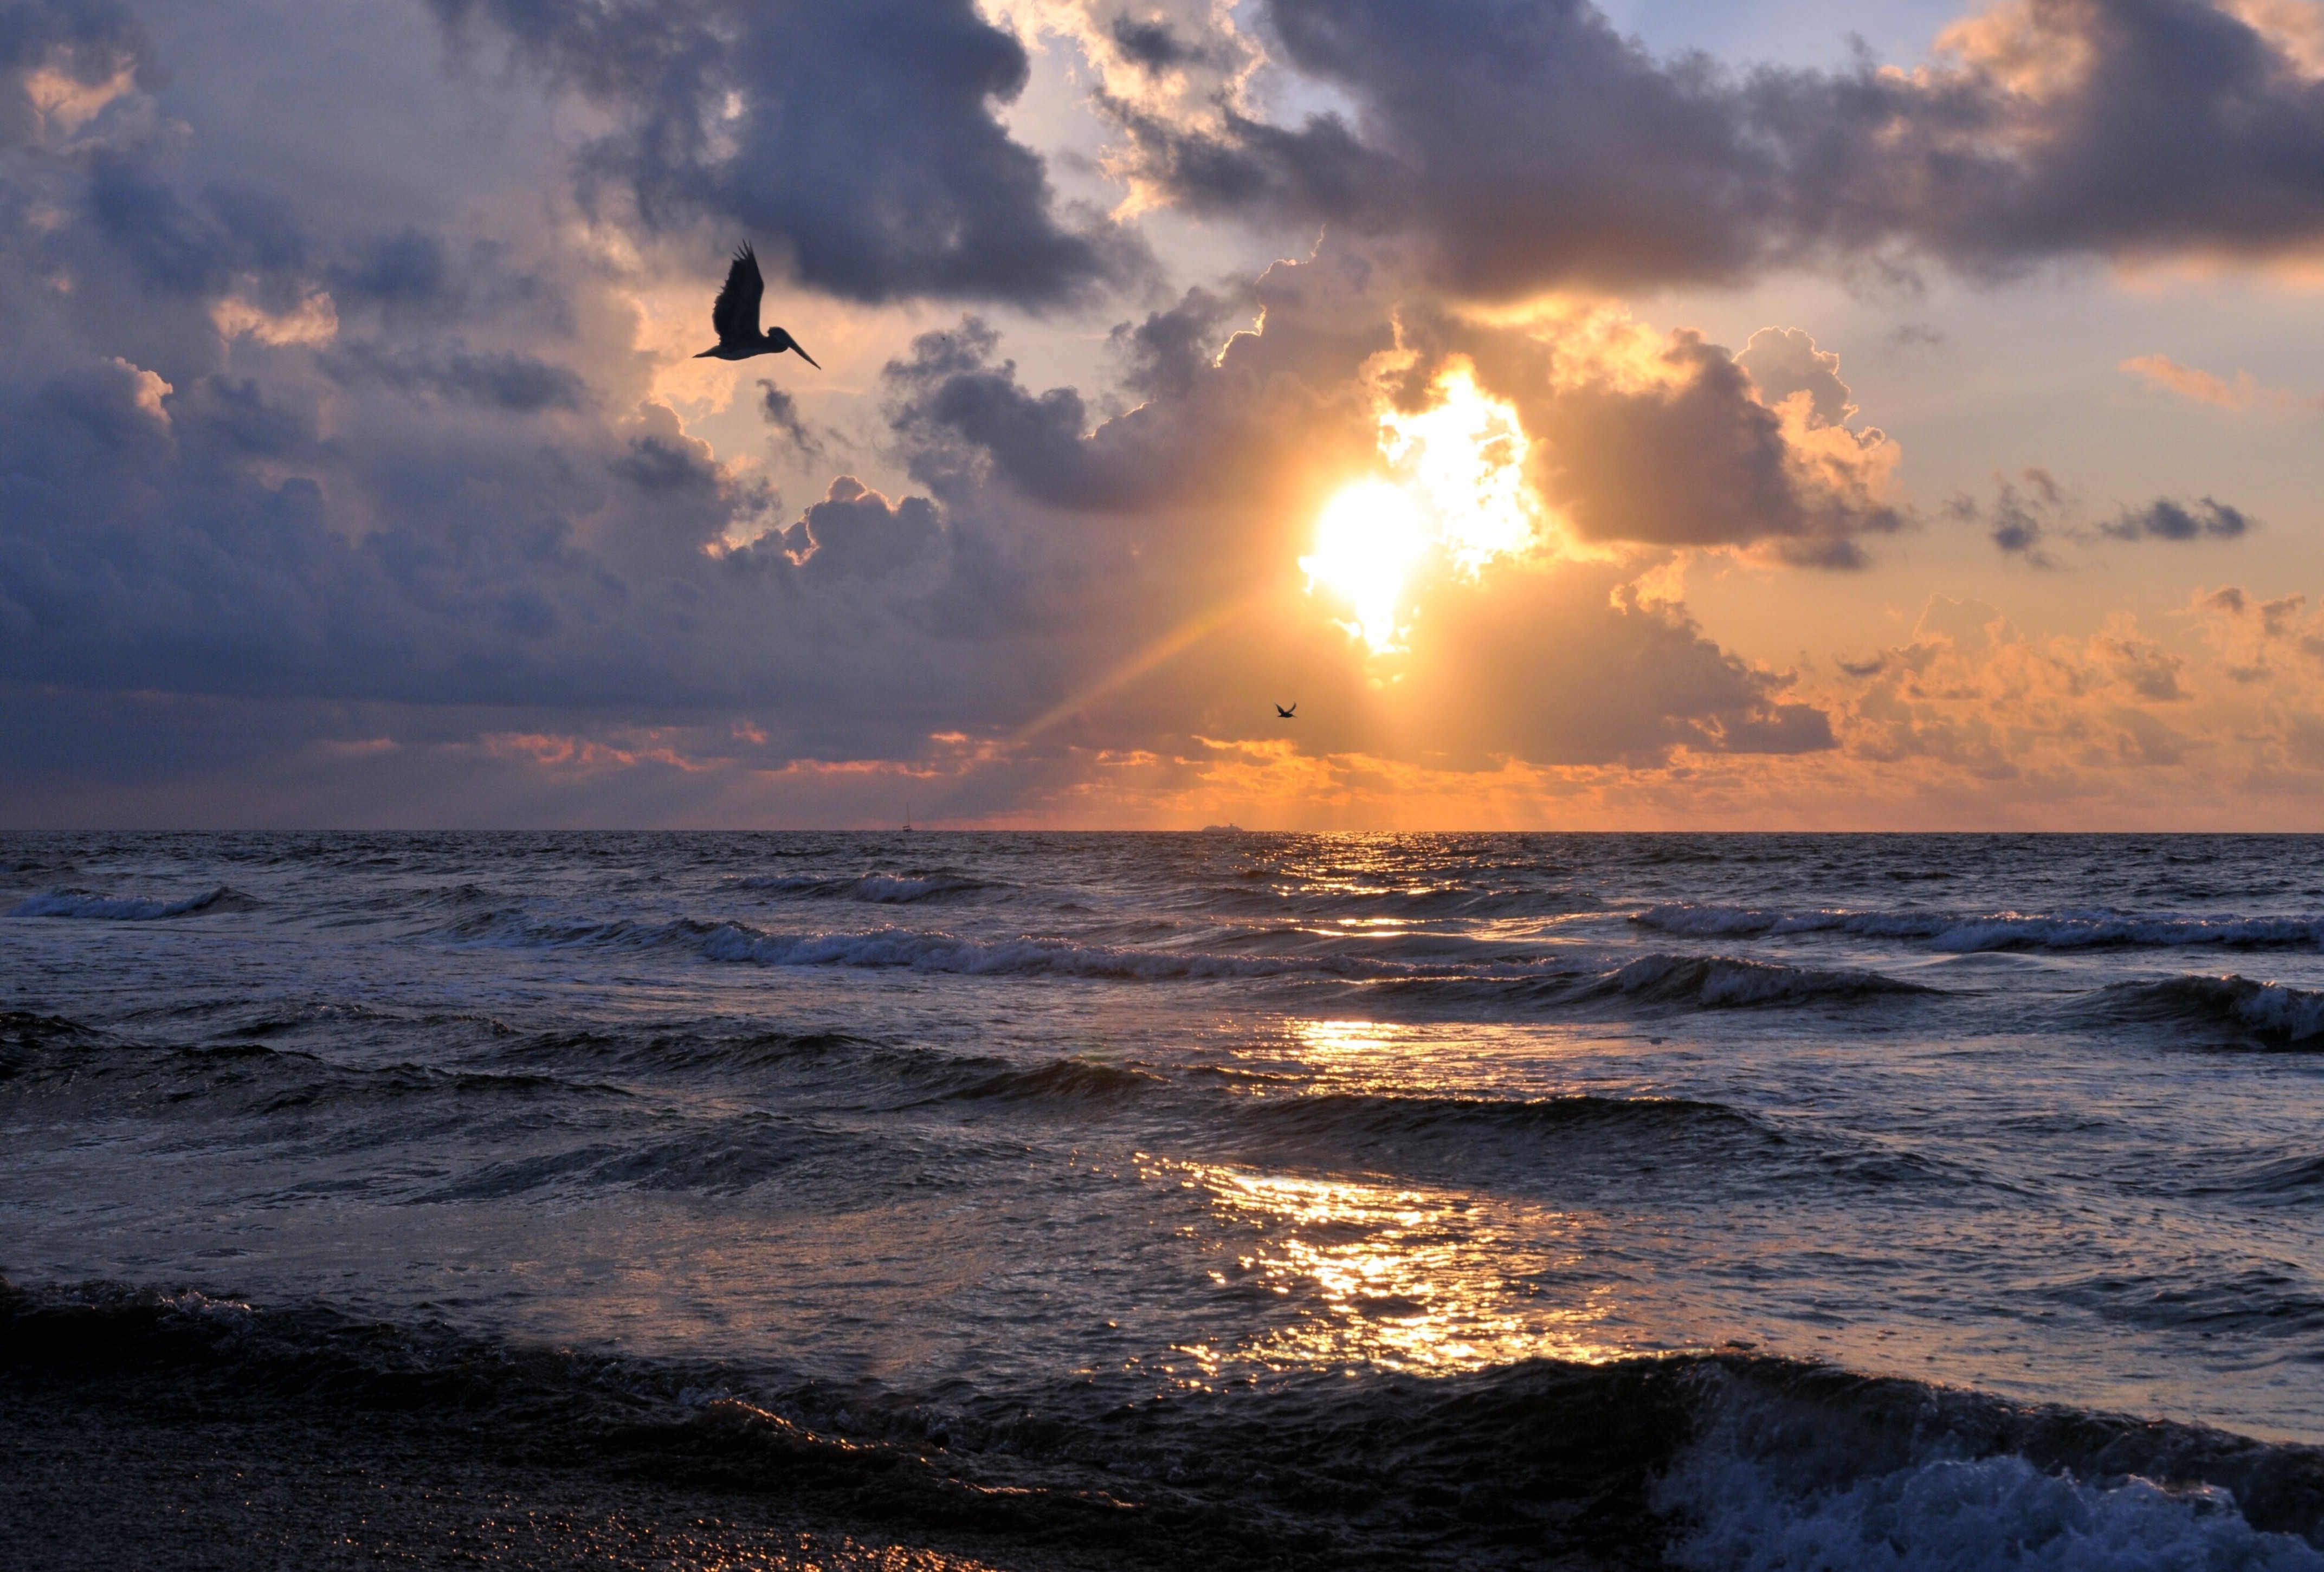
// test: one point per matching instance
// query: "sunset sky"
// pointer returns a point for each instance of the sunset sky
(1758, 414)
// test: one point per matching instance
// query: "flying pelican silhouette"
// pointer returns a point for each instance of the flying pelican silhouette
(735, 315)
(1290, 715)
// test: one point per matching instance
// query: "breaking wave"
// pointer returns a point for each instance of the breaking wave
(1803, 1470)
(2267, 1011)
(1957, 931)
(1718, 981)
(124, 909)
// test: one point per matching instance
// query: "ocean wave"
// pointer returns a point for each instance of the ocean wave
(880, 889)
(2267, 1011)
(1966, 931)
(1443, 901)
(1797, 1468)
(1720, 982)
(1657, 980)
(248, 1077)
(126, 909)
(919, 950)
(2300, 1178)
(1077, 1079)
(1373, 1114)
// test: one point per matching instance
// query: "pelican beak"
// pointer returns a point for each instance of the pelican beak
(805, 356)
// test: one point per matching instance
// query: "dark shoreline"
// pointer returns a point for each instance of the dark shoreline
(142, 1433)
(175, 1431)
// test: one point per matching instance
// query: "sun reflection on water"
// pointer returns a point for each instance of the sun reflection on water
(1393, 1277)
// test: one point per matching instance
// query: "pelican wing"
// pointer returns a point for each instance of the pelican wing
(735, 313)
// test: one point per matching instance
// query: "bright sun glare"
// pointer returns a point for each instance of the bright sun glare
(1368, 540)
(1459, 485)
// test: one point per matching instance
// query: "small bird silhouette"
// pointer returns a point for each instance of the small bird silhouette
(1290, 715)
(735, 315)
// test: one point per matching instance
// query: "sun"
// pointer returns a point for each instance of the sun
(1459, 487)
(1367, 541)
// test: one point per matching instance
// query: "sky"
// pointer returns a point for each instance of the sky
(1673, 414)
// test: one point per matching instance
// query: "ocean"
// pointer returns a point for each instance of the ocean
(1719, 1201)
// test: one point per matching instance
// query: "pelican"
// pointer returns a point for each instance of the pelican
(1290, 715)
(735, 315)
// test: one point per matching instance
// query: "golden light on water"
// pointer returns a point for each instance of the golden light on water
(1459, 487)
(1403, 1277)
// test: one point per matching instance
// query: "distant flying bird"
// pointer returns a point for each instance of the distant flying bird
(1290, 715)
(735, 315)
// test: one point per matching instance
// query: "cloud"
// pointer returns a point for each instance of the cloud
(1636, 438)
(2024, 513)
(1571, 157)
(858, 145)
(2204, 387)
(781, 412)
(506, 380)
(2022, 518)
(2164, 519)
(325, 491)
(1708, 449)
(61, 63)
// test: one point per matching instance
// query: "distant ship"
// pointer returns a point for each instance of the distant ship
(1223, 830)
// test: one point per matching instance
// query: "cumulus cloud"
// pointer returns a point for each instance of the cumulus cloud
(1708, 449)
(859, 144)
(1569, 155)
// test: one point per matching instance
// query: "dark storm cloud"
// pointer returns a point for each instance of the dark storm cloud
(407, 268)
(1530, 145)
(197, 246)
(859, 140)
(856, 532)
(962, 417)
(1163, 355)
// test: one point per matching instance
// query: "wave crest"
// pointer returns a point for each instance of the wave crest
(1028, 956)
(2270, 1011)
(880, 889)
(127, 909)
(1967, 931)
(1718, 981)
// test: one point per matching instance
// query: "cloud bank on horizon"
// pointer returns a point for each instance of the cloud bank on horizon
(352, 470)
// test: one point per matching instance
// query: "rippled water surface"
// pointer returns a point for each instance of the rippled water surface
(936, 1113)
